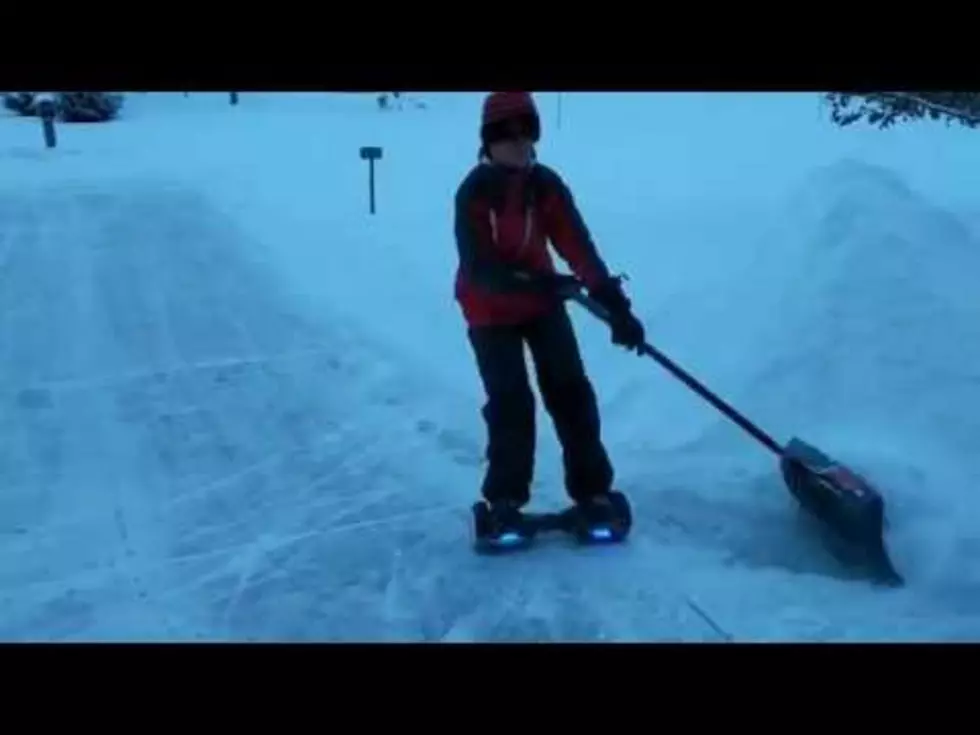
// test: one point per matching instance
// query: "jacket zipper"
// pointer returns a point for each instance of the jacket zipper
(528, 228)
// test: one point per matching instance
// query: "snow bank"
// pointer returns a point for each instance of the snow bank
(867, 343)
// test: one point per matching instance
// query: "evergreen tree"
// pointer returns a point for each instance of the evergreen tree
(884, 109)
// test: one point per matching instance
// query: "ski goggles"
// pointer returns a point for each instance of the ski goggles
(526, 126)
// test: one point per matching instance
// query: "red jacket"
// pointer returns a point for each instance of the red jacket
(504, 220)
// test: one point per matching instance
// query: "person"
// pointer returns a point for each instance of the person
(507, 209)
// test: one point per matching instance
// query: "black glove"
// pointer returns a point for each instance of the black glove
(627, 330)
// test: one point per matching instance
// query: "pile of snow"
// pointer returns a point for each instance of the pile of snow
(866, 341)
(878, 304)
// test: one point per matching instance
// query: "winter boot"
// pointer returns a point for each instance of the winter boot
(500, 525)
(604, 518)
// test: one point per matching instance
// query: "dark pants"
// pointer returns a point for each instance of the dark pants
(509, 411)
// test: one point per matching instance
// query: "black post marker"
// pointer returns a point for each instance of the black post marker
(371, 154)
(234, 98)
(46, 111)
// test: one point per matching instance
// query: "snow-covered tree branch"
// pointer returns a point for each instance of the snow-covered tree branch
(884, 109)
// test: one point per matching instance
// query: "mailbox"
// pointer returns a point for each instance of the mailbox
(371, 154)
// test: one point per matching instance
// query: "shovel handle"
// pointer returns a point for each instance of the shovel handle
(600, 312)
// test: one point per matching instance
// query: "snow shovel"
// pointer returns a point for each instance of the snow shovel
(840, 499)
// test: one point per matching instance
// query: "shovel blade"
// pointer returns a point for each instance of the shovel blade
(843, 501)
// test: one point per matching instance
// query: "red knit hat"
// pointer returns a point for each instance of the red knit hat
(500, 108)
(507, 105)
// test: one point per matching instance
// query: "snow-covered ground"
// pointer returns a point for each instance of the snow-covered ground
(235, 406)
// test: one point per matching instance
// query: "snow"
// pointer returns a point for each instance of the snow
(235, 406)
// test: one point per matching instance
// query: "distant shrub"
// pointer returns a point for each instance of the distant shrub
(21, 103)
(397, 100)
(88, 107)
(386, 99)
(71, 106)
